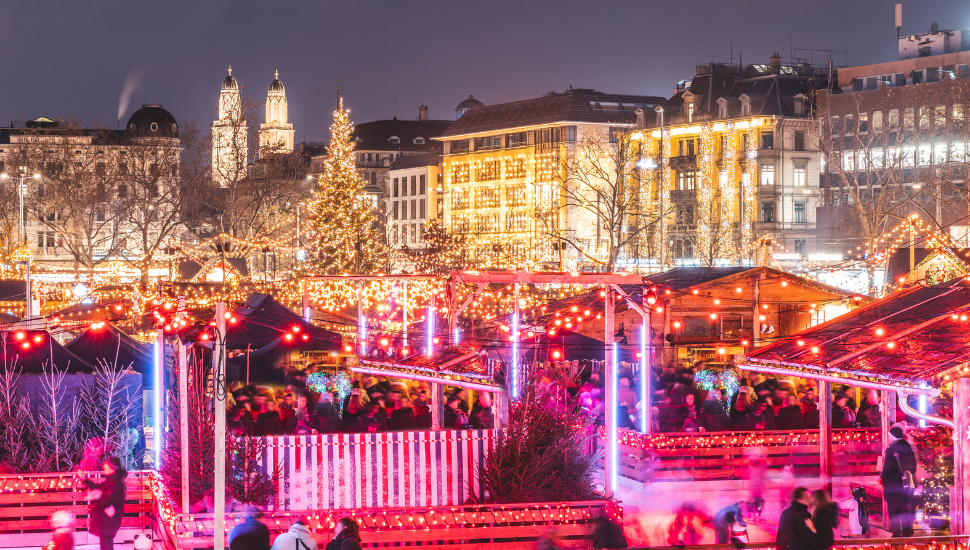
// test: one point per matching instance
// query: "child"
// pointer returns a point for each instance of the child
(63, 538)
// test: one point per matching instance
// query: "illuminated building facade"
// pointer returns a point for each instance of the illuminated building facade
(414, 199)
(276, 134)
(229, 136)
(505, 180)
(730, 159)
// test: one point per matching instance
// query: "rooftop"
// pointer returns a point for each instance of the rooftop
(399, 135)
(573, 105)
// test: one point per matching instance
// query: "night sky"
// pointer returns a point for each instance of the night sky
(72, 58)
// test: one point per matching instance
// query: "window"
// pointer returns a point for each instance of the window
(404, 187)
(958, 152)
(687, 180)
(863, 124)
(517, 140)
(799, 140)
(900, 79)
(909, 157)
(487, 143)
(414, 209)
(767, 174)
(394, 209)
(893, 120)
(800, 247)
(419, 141)
(848, 160)
(767, 140)
(548, 135)
(849, 124)
(924, 117)
(122, 168)
(917, 77)
(925, 155)
(958, 112)
(423, 209)
(722, 180)
(933, 74)
(100, 169)
(459, 146)
(690, 112)
(800, 175)
(768, 212)
(799, 212)
(414, 185)
(908, 118)
(877, 122)
(369, 156)
(393, 139)
(835, 126)
(395, 187)
(939, 153)
(122, 191)
(424, 186)
(404, 210)
(940, 118)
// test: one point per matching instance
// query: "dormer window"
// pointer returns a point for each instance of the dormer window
(800, 105)
(394, 139)
(745, 105)
(722, 108)
(690, 112)
(419, 141)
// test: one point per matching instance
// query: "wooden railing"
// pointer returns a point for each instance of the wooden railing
(909, 543)
(453, 527)
(28, 500)
(709, 456)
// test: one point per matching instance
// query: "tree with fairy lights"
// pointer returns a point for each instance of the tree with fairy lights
(345, 236)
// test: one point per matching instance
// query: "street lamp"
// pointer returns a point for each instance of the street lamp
(22, 191)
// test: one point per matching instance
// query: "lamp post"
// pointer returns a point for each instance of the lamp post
(663, 236)
(23, 255)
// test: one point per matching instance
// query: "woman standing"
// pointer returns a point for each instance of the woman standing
(825, 517)
(108, 503)
(346, 536)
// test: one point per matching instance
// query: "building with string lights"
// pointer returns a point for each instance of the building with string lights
(505, 176)
(731, 158)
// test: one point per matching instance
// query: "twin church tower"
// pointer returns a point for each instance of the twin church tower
(230, 132)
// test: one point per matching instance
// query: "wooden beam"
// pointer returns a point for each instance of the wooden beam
(825, 434)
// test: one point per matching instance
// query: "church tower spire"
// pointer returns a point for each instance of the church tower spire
(230, 151)
(276, 134)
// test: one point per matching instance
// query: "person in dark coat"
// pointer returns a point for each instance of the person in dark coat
(346, 536)
(724, 519)
(608, 533)
(455, 417)
(869, 415)
(108, 506)
(790, 415)
(251, 534)
(481, 417)
(760, 417)
(402, 417)
(374, 420)
(269, 421)
(899, 463)
(825, 518)
(422, 410)
(842, 415)
(795, 528)
(328, 419)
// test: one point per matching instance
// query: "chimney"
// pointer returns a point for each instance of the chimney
(423, 112)
(775, 64)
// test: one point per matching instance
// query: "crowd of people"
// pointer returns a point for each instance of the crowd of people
(762, 402)
(375, 404)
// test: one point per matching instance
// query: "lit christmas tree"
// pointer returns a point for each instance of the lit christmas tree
(345, 235)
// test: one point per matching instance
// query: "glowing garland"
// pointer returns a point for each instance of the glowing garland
(338, 383)
(717, 380)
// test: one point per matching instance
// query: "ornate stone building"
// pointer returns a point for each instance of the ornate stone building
(230, 135)
(276, 134)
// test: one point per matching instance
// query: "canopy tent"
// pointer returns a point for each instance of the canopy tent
(915, 337)
(453, 366)
(265, 366)
(263, 320)
(110, 345)
(571, 346)
(31, 351)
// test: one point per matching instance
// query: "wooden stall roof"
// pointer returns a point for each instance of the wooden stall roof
(916, 336)
(455, 366)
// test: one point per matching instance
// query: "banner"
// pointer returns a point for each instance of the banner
(376, 470)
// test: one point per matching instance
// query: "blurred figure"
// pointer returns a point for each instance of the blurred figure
(402, 417)
(795, 528)
(760, 418)
(108, 504)
(298, 537)
(481, 417)
(269, 421)
(870, 416)
(810, 408)
(455, 417)
(251, 534)
(898, 470)
(842, 415)
(743, 404)
(63, 537)
(825, 518)
(422, 409)
(346, 536)
(790, 415)
(608, 533)
(625, 395)
(684, 531)
(728, 520)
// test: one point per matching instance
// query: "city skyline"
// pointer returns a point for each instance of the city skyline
(392, 58)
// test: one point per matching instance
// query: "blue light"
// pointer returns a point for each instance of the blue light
(644, 379)
(159, 395)
(457, 336)
(921, 404)
(429, 331)
(611, 429)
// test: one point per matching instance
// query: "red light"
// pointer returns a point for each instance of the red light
(744, 342)
(721, 351)
(118, 308)
(384, 341)
(558, 322)
(20, 335)
(639, 355)
(348, 348)
(552, 332)
(288, 337)
(436, 340)
(676, 324)
(37, 339)
(205, 336)
(404, 351)
(695, 291)
(659, 309)
(306, 337)
(556, 354)
(227, 315)
(167, 305)
(602, 294)
(738, 290)
(25, 345)
(891, 345)
(232, 320)
(296, 328)
(574, 309)
(784, 283)
(531, 334)
(814, 349)
(168, 328)
(713, 316)
(880, 332)
(586, 313)
(801, 342)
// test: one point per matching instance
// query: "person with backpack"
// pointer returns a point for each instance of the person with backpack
(842, 415)
(898, 482)
(298, 537)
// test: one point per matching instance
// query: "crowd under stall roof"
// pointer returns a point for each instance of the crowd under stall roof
(460, 366)
(914, 339)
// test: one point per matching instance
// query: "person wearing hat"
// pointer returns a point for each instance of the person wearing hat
(108, 503)
(298, 537)
(898, 482)
(63, 538)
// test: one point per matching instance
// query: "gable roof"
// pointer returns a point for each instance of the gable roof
(573, 105)
(916, 335)
(376, 135)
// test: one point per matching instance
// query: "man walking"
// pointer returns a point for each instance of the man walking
(898, 475)
(795, 529)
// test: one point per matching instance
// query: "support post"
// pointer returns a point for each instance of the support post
(158, 424)
(361, 322)
(404, 316)
(306, 301)
(825, 434)
(960, 508)
(888, 413)
(219, 387)
(184, 420)
(646, 349)
(756, 313)
(514, 371)
(610, 377)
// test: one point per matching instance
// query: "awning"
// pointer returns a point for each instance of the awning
(455, 366)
